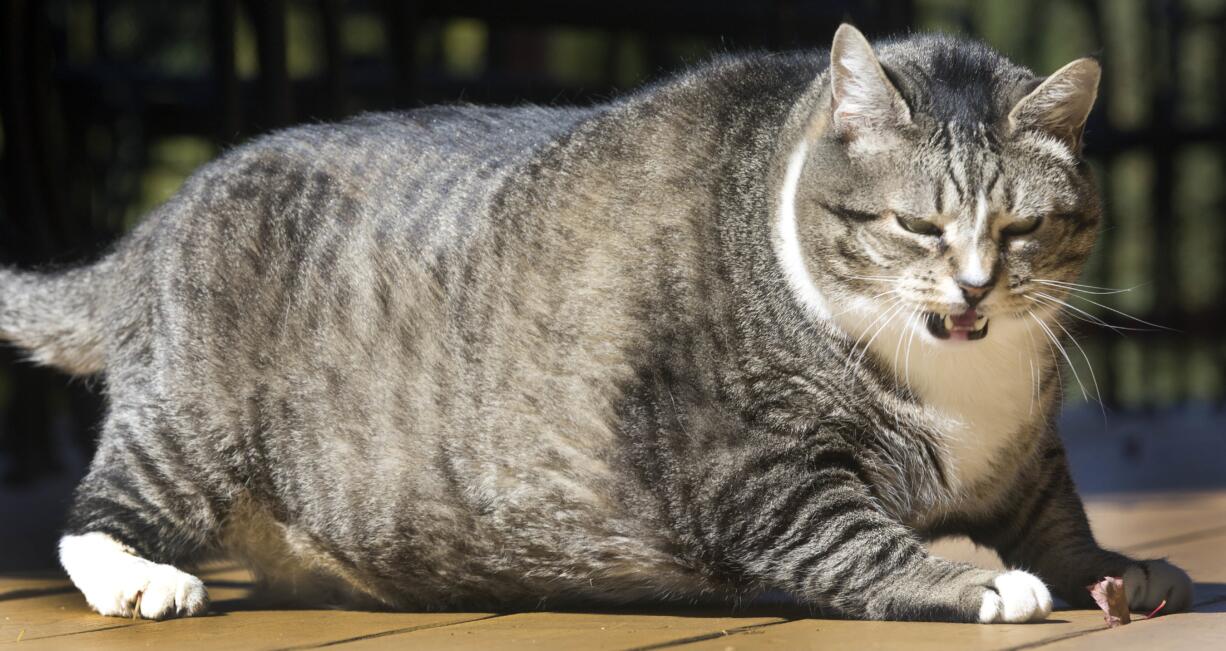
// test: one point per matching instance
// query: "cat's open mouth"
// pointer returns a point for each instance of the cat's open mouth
(967, 326)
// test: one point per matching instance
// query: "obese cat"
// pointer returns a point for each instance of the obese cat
(768, 325)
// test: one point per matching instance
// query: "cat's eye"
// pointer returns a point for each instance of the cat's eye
(849, 214)
(918, 226)
(1022, 227)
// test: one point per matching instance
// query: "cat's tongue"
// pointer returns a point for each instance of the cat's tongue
(964, 321)
(962, 326)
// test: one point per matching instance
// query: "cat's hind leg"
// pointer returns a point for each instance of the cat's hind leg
(136, 514)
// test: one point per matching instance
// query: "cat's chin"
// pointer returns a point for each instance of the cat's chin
(965, 326)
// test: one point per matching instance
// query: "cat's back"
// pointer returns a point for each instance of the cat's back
(309, 214)
(392, 167)
(311, 254)
(374, 166)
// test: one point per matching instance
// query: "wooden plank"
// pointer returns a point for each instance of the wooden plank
(846, 634)
(53, 616)
(1188, 631)
(566, 631)
(284, 629)
(25, 584)
(1140, 524)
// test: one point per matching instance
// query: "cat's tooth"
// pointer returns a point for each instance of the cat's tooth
(949, 322)
(980, 321)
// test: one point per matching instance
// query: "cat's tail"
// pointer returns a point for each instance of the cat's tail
(55, 316)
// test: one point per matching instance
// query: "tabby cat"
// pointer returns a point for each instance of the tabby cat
(769, 325)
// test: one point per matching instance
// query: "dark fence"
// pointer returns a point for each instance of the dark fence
(107, 104)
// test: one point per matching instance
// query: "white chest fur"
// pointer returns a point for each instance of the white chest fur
(984, 392)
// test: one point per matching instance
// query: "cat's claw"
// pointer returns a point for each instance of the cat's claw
(1149, 583)
(1018, 597)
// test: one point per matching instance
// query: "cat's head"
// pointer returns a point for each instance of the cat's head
(943, 186)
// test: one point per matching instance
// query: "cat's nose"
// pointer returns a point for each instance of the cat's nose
(974, 291)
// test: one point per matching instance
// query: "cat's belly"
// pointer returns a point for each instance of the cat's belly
(291, 565)
(512, 537)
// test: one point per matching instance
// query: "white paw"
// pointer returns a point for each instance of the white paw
(118, 583)
(1019, 597)
(1149, 582)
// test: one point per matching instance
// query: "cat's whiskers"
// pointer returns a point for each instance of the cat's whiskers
(884, 320)
(851, 353)
(864, 349)
(1055, 362)
(1034, 381)
(1084, 289)
(910, 341)
(1080, 314)
(1047, 300)
(1056, 340)
(1035, 378)
(898, 347)
(1124, 314)
(871, 298)
(1093, 379)
(880, 329)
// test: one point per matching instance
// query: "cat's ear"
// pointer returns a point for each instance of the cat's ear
(1060, 104)
(862, 97)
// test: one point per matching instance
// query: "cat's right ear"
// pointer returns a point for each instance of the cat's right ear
(863, 100)
(1060, 104)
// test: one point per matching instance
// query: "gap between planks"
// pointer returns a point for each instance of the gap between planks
(708, 636)
(388, 633)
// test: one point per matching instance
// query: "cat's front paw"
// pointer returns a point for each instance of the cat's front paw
(1015, 597)
(1148, 583)
(118, 583)
(148, 590)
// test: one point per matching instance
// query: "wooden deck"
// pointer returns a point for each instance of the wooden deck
(43, 611)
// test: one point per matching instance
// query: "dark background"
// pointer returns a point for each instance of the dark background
(107, 105)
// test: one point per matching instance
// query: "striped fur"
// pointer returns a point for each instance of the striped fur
(519, 358)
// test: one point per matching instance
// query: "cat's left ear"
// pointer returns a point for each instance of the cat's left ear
(863, 100)
(1060, 105)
